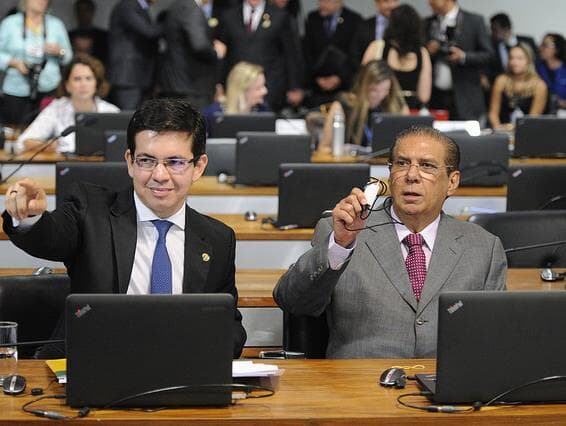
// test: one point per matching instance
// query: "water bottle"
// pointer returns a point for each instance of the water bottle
(515, 115)
(338, 134)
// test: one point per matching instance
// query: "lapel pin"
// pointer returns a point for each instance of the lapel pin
(266, 21)
(213, 22)
(205, 257)
(340, 20)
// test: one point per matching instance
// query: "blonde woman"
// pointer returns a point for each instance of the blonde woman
(519, 91)
(375, 89)
(245, 92)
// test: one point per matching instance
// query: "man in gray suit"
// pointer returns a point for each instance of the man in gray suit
(379, 291)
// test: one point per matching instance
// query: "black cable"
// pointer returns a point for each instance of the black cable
(519, 387)
(434, 408)
(222, 386)
(385, 207)
(53, 415)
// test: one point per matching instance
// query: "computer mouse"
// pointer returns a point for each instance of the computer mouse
(250, 215)
(14, 385)
(393, 377)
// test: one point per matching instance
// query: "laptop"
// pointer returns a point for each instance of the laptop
(116, 145)
(259, 154)
(484, 159)
(307, 190)
(109, 174)
(386, 127)
(492, 342)
(221, 154)
(536, 187)
(228, 125)
(90, 129)
(540, 137)
(120, 346)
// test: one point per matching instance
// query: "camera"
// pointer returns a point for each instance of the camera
(33, 77)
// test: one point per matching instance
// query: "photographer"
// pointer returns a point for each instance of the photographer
(33, 45)
(459, 47)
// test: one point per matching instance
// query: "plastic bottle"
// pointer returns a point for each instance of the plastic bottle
(338, 134)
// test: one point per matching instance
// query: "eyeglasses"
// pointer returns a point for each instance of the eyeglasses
(426, 167)
(174, 165)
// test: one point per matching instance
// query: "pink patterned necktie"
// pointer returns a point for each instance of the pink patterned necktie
(416, 262)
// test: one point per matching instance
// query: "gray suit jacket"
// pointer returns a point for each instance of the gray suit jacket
(370, 306)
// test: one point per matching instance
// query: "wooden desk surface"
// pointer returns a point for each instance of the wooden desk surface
(45, 157)
(245, 230)
(321, 392)
(209, 186)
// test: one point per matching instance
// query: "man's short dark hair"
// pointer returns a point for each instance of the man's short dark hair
(452, 159)
(502, 20)
(168, 115)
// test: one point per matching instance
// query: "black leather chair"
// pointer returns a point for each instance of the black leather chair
(306, 334)
(520, 229)
(35, 302)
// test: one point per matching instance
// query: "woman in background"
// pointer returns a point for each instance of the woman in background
(517, 92)
(33, 46)
(375, 90)
(245, 92)
(403, 50)
(81, 90)
(552, 69)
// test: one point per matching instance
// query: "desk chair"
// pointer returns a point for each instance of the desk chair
(536, 187)
(520, 229)
(306, 334)
(35, 302)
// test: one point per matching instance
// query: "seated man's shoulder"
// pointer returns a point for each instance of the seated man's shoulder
(213, 227)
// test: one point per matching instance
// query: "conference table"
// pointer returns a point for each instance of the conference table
(310, 392)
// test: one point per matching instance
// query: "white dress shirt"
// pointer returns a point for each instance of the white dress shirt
(140, 280)
(442, 72)
(55, 118)
(258, 13)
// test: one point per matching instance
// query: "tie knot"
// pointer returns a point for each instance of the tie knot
(413, 240)
(162, 226)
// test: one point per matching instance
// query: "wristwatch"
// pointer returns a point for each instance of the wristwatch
(62, 52)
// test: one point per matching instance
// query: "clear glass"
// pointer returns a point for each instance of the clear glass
(8, 354)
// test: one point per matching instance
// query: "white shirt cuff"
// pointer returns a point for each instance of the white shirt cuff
(337, 254)
(26, 223)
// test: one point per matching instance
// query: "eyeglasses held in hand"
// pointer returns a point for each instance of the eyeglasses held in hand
(174, 165)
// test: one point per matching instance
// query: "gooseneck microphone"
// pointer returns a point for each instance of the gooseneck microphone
(32, 343)
(535, 246)
(49, 142)
(374, 154)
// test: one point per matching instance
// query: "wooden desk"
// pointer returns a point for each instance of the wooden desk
(45, 158)
(310, 392)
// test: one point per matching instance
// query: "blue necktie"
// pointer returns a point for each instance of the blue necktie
(161, 274)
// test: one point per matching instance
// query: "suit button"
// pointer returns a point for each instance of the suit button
(420, 321)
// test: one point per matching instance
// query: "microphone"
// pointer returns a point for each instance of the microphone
(535, 246)
(31, 343)
(557, 199)
(492, 168)
(67, 131)
(374, 154)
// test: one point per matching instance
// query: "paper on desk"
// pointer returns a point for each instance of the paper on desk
(59, 368)
(253, 369)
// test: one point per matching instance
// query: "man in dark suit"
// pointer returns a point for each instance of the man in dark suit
(371, 29)
(328, 34)
(190, 65)
(378, 274)
(143, 239)
(86, 38)
(460, 48)
(502, 39)
(133, 49)
(260, 33)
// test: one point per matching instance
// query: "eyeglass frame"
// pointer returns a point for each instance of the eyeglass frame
(156, 162)
(434, 171)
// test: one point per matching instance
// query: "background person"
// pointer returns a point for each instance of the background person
(378, 280)
(403, 50)
(81, 90)
(375, 90)
(108, 240)
(518, 92)
(33, 45)
(552, 69)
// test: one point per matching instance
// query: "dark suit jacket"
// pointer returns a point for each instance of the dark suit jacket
(273, 45)
(133, 46)
(471, 36)
(94, 234)
(361, 39)
(316, 41)
(190, 65)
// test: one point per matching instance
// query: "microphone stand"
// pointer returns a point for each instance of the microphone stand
(49, 142)
(31, 343)
(535, 246)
